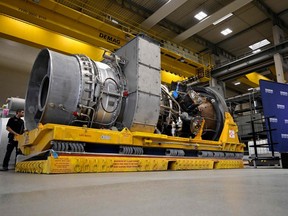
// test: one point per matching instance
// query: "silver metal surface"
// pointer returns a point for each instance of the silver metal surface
(87, 74)
(15, 103)
(108, 92)
(142, 106)
(72, 89)
(53, 91)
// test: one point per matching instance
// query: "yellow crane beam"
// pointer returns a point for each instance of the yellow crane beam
(70, 23)
(58, 18)
(39, 37)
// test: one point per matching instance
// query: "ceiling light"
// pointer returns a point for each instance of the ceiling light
(256, 51)
(222, 19)
(226, 31)
(201, 15)
(237, 83)
(259, 44)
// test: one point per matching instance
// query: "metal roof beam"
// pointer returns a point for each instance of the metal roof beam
(250, 63)
(244, 31)
(248, 29)
(175, 28)
(214, 48)
(161, 13)
(269, 13)
(235, 5)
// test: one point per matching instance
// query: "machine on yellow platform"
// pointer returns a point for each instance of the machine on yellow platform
(109, 116)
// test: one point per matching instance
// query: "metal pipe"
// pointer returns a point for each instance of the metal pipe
(232, 69)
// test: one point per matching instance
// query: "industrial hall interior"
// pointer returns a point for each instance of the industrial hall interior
(144, 107)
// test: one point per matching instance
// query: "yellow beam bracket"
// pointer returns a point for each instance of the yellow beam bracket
(256, 77)
(247, 82)
(252, 79)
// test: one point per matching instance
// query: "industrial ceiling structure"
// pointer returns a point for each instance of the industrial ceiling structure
(212, 36)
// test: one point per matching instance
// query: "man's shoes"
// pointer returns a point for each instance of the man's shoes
(4, 169)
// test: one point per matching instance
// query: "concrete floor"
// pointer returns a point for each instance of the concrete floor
(242, 192)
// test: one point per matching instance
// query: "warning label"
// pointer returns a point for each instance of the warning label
(125, 164)
(231, 133)
(61, 165)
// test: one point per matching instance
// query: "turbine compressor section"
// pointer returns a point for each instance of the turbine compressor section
(75, 90)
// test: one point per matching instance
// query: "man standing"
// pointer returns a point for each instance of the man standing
(15, 126)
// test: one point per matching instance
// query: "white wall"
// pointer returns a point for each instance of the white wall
(16, 61)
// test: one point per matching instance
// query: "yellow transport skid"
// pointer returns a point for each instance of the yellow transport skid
(39, 140)
(73, 163)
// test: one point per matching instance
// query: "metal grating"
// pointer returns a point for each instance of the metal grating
(151, 5)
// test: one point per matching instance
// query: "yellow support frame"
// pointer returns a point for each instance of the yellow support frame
(38, 140)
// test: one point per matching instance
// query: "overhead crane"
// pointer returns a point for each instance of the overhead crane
(59, 20)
